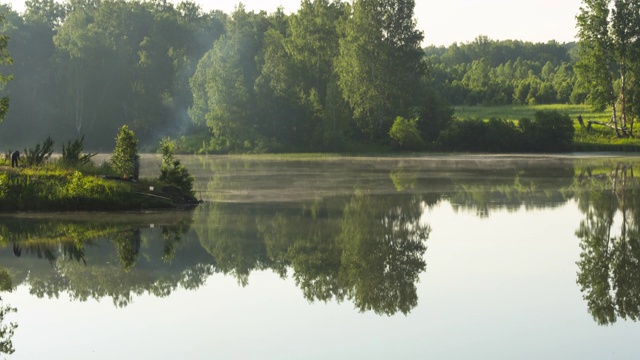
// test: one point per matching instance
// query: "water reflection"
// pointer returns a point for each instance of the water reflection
(366, 249)
(6, 328)
(90, 258)
(352, 231)
(609, 266)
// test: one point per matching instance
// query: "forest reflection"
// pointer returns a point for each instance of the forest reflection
(371, 253)
(365, 246)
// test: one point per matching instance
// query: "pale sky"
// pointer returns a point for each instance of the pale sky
(446, 21)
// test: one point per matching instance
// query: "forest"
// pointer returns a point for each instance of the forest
(491, 72)
(334, 76)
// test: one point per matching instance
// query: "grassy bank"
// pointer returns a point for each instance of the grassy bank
(52, 188)
(598, 138)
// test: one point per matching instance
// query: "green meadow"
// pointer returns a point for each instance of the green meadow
(598, 138)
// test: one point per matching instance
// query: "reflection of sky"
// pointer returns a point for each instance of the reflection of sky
(501, 287)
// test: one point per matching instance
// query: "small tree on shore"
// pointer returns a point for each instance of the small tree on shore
(125, 154)
(609, 43)
(171, 170)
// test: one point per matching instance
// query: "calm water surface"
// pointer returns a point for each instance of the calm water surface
(476, 257)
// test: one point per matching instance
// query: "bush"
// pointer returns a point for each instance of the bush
(41, 153)
(495, 135)
(549, 131)
(125, 155)
(171, 170)
(72, 153)
(405, 134)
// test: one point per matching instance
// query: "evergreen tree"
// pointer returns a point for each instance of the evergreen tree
(125, 155)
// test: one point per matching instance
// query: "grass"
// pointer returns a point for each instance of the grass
(517, 112)
(57, 188)
(598, 138)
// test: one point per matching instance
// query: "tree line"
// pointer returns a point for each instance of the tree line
(329, 75)
(492, 72)
(88, 67)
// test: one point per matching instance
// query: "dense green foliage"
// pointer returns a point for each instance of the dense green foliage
(405, 135)
(609, 66)
(491, 72)
(380, 64)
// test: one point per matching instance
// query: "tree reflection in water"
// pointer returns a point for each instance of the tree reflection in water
(6, 330)
(366, 247)
(609, 265)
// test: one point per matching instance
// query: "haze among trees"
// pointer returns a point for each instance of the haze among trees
(333, 74)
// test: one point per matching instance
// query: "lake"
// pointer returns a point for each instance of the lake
(444, 257)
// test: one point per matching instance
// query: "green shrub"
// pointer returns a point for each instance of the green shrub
(405, 134)
(72, 153)
(41, 153)
(495, 135)
(548, 131)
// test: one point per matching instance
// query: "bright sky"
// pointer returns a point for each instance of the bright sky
(447, 21)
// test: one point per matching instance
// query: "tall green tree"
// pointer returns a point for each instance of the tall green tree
(223, 84)
(609, 33)
(380, 63)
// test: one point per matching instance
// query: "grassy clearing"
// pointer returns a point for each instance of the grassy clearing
(515, 113)
(597, 139)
